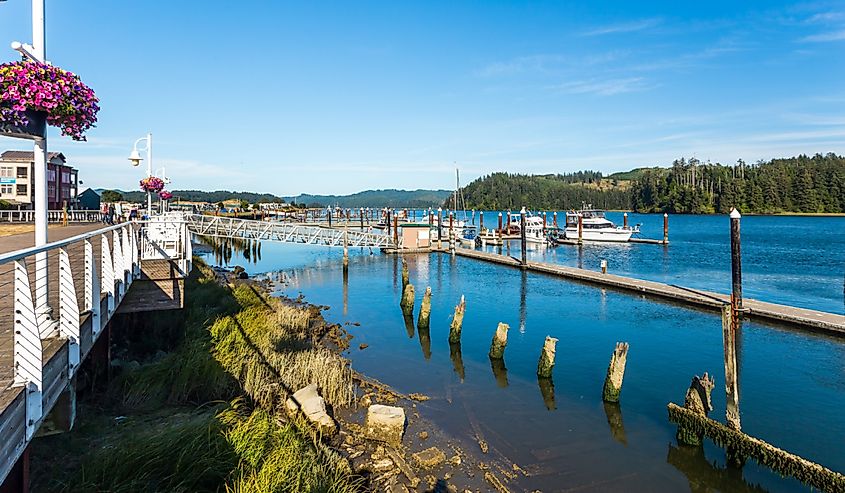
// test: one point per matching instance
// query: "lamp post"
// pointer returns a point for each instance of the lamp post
(135, 158)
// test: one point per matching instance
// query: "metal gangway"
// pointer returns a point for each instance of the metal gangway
(248, 229)
(53, 312)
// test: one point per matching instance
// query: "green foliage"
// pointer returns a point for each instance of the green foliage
(378, 198)
(500, 191)
(210, 197)
(111, 196)
(800, 184)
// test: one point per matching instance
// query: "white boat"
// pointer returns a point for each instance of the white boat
(535, 230)
(596, 227)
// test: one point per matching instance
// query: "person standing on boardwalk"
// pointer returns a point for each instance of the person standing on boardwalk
(104, 212)
(111, 214)
(118, 210)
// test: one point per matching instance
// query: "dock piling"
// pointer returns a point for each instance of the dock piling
(423, 322)
(500, 225)
(736, 264)
(407, 303)
(697, 401)
(554, 219)
(396, 231)
(665, 228)
(457, 322)
(580, 229)
(731, 381)
(547, 358)
(480, 222)
(405, 275)
(500, 340)
(625, 220)
(522, 238)
(615, 373)
(604, 266)
(361, 217)
(440, 227)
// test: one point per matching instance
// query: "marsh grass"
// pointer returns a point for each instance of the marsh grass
(187, 429)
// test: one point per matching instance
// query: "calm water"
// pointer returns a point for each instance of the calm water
(792, 384)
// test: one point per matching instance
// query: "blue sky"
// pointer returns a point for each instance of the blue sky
(316, 97)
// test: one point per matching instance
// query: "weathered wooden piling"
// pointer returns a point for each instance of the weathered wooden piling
(554, 219)
(396, 231)
(405, 275)
(731, 381)
(522, 238)
(547, 358)
(625, 220)
(407, 303)
(500, 340)
(387, 219)
(457, 322)
(329, 215)
(665, 228)
(361, 217)
(500, 225)
(509, 220)
(440, 227)
(604, 266)
(736, 265)
(423, 322)
(580, 229)
(698, 402)
(615, 373)
(481, 221)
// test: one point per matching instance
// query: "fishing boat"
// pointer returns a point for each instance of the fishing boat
(596, 227)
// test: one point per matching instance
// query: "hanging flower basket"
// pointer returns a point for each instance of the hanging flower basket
(165, 195)
(152, 184)
(35, 94)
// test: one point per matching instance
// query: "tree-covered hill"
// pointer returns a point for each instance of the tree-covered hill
(377, 198)
(203, 196)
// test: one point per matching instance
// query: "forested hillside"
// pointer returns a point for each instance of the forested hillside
(499, 191)
(377, 198)
(799, 184)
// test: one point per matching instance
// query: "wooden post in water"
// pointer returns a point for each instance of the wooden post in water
(580, 228)
(615, 373)
(329, 214)
(481, 222)
(731, 383)
(425, 310)
(545, 220)
(361, 217)
(665, 228)
(457, 322)
(451, 233)
(522, 239)
(547, 358)
(500, 340)
(500, 225)
(554, 219)
(736, 266)
(396, 231)
(604, 266)
(407, 303)
(387, 215)
(509, 221)
(439, 227)
(625, 220)
(405, 275)
(698, 401)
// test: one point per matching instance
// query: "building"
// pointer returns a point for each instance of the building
(17, 177)
(89, 199)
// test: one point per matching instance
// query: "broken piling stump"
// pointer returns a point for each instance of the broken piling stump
(615, 373)
(698, 402)
(407, 303)
(500, 340)
(547, 358)
(405, 275)
(457, 322)
(425, 310)
(385, 423)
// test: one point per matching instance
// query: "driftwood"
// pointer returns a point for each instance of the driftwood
(778, 460)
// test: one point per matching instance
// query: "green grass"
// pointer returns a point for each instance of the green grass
(203, 418)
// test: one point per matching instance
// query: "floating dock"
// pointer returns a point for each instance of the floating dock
(830, 323)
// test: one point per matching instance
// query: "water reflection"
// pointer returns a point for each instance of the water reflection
(408, 316)
(345, 290)
(457, 359)
(705, 476)
(614, 418)
(547, 390)
(499, 372)
(425, 341)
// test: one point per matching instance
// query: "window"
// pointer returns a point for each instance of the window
(65, 177)
(21, 189)
(6, 171)
(23, 172)
(51, 191)
(51, 175)
(65, 193)
(6, 189)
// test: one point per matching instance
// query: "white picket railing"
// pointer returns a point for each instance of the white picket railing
(105, 262)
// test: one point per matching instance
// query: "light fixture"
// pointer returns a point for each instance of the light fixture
(135, 157)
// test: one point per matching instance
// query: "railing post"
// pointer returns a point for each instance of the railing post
(27, 357)
(92, 288)
(68, 311)
(108, 272)
(117, 265)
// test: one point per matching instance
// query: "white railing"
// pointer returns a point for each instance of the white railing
(87, 276)
(284, 232)
(56, 216)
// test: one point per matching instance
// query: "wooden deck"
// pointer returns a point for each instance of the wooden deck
(768, 312)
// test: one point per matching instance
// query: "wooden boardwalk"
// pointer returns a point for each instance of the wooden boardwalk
(768, 312)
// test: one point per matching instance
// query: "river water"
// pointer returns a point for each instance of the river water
(792, 383)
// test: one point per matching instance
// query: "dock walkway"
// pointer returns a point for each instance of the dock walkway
(769, 312)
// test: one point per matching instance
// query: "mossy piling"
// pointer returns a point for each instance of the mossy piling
(457, 322)
(547, 358)
(615, 373)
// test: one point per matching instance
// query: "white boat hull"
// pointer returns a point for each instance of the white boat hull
(618, 235)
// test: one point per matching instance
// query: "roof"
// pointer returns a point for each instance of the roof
(28, 156)
(90, 190)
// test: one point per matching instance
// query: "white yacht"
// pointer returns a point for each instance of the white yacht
(596, 227)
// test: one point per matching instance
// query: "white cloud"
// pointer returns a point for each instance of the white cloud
(825, 37)
(626, 27)
(603, 87)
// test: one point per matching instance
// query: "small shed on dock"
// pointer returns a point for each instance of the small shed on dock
(415, 235)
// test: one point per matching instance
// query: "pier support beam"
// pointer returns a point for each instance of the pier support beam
(731, 384)
(17, 481)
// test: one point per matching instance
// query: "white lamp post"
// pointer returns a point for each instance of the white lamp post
(135, 158)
